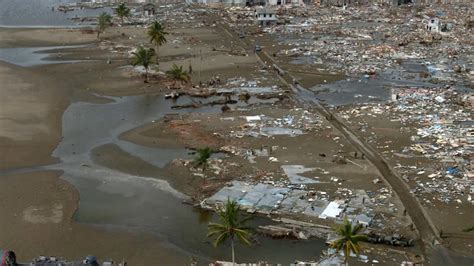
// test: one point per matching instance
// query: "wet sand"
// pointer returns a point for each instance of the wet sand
(40, 221)
(41, 205)
(12, 37)
(30, 117)
(33, 101)
(299, 150)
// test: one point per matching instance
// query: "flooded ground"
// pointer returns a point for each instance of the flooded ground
(37, 14)
(127, 185)
(122, 201)
(34, 56)
(115, 199)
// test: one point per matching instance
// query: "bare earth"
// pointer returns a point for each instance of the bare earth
(39, 206)
(39, 221)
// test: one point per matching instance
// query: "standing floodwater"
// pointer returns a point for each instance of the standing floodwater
(39, 13)
(115, 199)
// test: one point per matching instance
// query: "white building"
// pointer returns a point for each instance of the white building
(285, 2)
(265, 16)
(149, 10)
(432, 24)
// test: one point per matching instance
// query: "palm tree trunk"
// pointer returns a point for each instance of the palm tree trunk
(98, 34)
(233, 252)
(157, 47)
(146, 74)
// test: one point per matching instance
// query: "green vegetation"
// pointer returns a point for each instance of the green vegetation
(103, 22)
(202, 156)
(348, 239)
(122, 11)
(231, 227)
(178, 75)
(157, 34)
(144, 57)
(469, 229)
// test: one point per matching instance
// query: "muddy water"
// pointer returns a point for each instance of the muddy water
(33, 56)
(38, 13)
(121, 201)
(364, 88)
(118, 200)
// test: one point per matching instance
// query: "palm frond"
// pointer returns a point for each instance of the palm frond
(348, 238)
(103, 21)
(244, 237)
(122, 10)
(221, 238)
(358, 238)
(157, 33)
(230, 225)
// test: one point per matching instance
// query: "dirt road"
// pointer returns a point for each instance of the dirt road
(428, 232)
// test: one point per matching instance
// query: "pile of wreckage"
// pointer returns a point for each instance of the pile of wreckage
(373, 39)
(295, 200)
(297, 122)
(442, 124)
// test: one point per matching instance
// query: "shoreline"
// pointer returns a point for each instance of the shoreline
(19, 77)
(45, 27)
(94, 81)
(72, 82)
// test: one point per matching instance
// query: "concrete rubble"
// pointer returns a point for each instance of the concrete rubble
(440, 121)
(281, 199)
(297, 122)
(375, 39)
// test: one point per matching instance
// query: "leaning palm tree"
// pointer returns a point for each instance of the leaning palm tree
(144, 57)
(231, 227)
(349, 239)
(122, 11)
(103, 21)
(157, 34)
(178, 75)
(202, 156)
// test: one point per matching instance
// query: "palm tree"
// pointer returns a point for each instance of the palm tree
(348, 239)
(469, 229)
(202, 156)
(122, 11)
(157, 34)
(143, 56)
(178, 75)
(231, 227)
(103, 21)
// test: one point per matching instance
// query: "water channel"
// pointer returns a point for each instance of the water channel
(123, 201)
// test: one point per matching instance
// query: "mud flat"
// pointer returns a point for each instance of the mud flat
(40, 221)
(41, 203)
(67, 217)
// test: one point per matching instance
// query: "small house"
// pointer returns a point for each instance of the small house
(285, 2)
(149, 10)
(363, 219)
(265, 16)
(432, 24)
